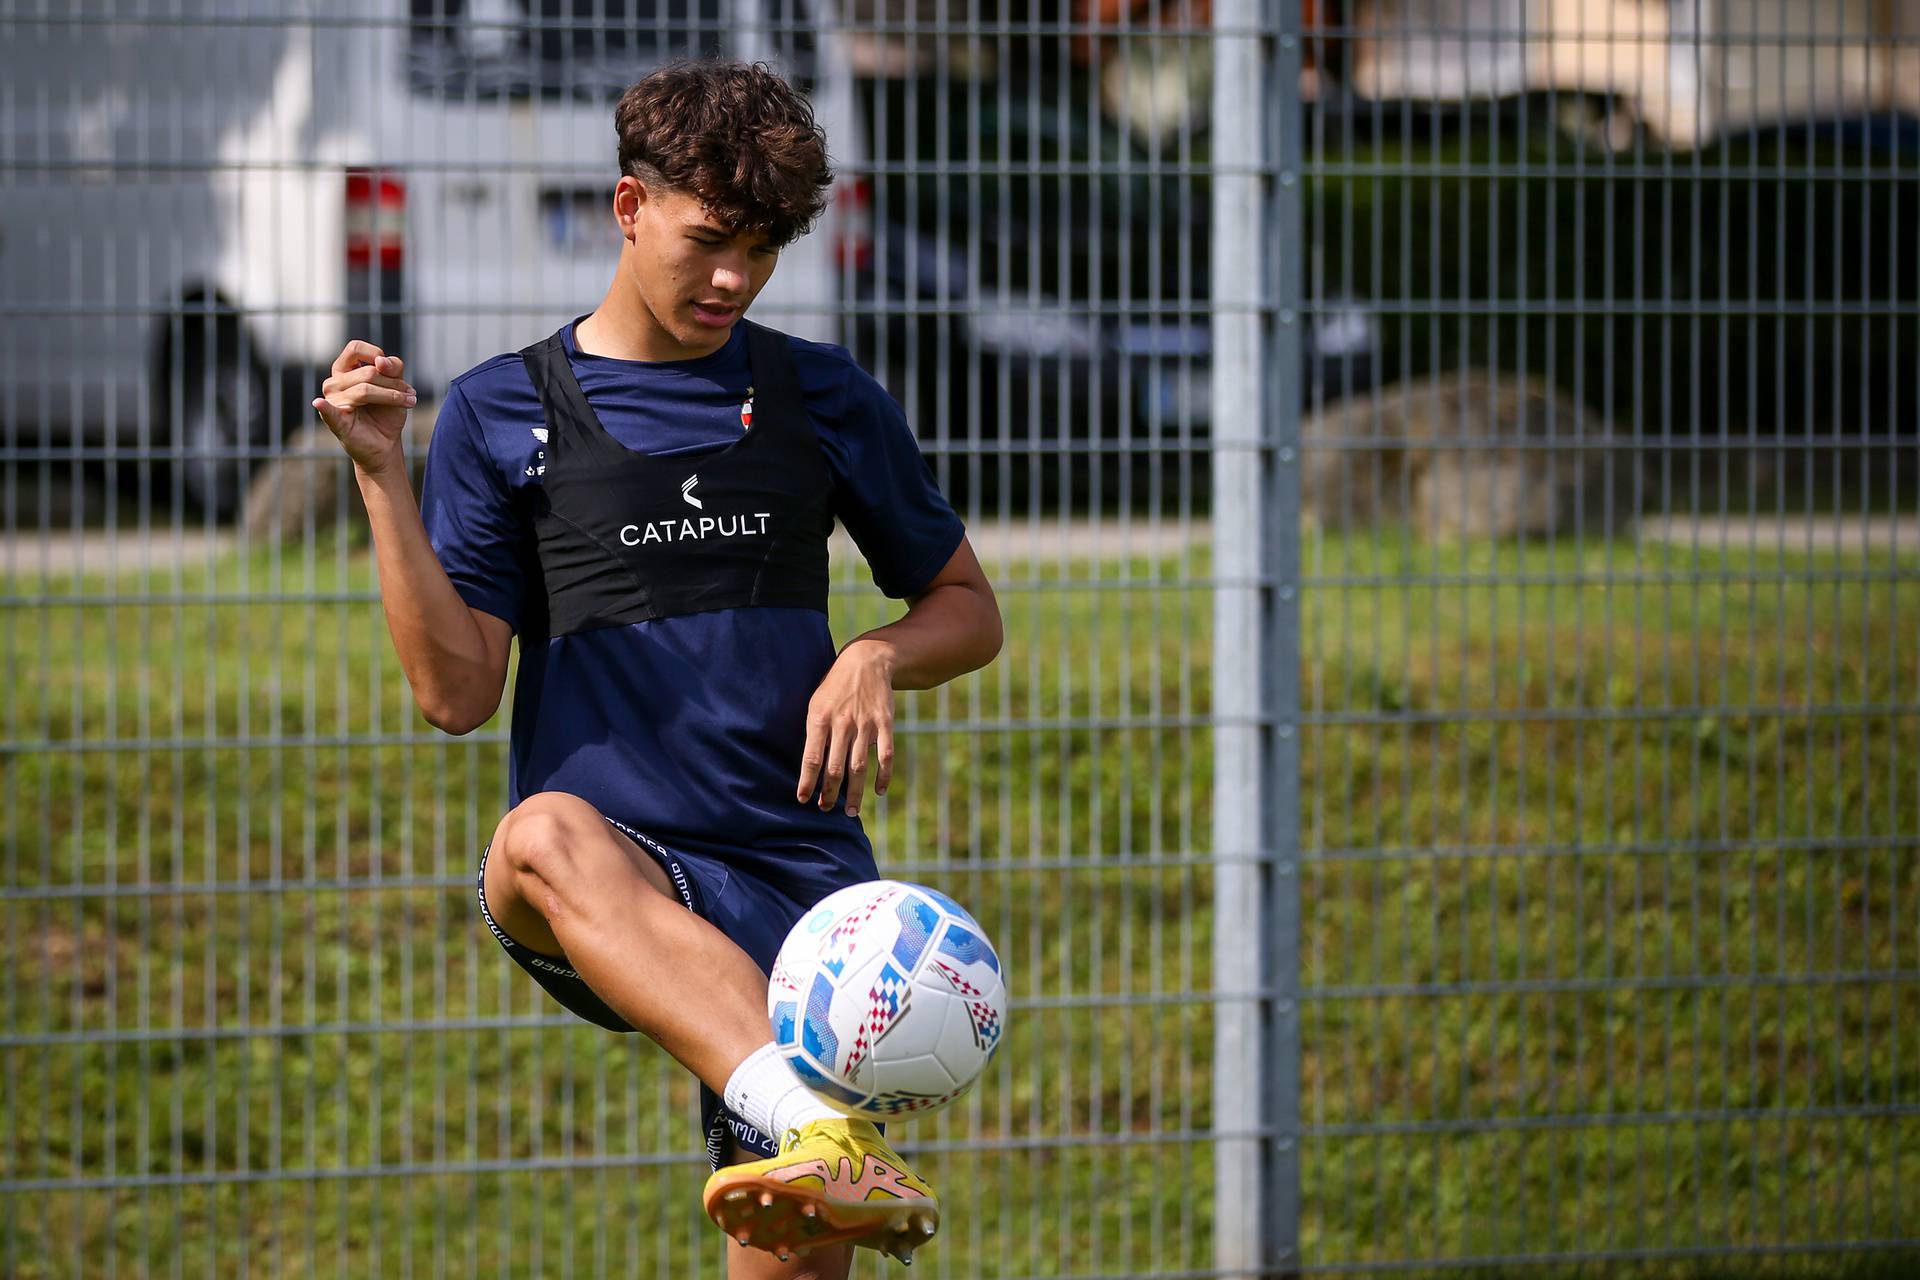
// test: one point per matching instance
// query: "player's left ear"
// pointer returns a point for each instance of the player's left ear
(628, 195)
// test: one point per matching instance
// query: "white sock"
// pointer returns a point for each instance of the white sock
(765, 1093)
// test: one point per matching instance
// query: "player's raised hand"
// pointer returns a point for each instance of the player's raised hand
(364, 403)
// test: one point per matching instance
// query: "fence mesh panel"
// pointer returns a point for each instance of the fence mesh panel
(1608, 683)
(1604, 831)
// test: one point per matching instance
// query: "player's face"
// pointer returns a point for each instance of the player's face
(695, 276)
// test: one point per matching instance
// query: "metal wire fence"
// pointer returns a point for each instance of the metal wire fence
(1605, 692)
(1448, 797)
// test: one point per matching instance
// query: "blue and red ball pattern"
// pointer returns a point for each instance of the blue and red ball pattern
(887, 999)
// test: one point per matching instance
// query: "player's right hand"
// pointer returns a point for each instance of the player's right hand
(365, 402)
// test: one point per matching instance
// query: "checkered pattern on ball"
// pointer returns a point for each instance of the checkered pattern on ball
(887, 1000)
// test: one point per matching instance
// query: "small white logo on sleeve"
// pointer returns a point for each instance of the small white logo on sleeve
(540, 434)
(686, 491)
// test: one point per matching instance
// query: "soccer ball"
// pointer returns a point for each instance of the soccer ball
(887, 1000)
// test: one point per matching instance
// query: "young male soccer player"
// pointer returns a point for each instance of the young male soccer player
(644, 498)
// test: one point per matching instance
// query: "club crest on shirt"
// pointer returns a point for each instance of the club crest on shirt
(746, 411)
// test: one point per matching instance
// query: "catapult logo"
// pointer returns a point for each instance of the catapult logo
(695, 529)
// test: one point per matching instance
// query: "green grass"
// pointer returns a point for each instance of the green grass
(1684, 1019)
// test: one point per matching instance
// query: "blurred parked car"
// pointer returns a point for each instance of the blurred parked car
(1040, 278)
(197, 215)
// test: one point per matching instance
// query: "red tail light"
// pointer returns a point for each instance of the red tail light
(853, 224)
(376, 219)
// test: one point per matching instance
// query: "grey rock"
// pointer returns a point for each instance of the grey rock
(1471, 455)
(309, 485)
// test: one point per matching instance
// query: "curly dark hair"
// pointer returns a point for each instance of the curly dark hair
(734, 136)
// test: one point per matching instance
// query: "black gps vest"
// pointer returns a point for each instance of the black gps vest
(623, 537)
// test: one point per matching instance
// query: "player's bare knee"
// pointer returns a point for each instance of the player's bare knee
(541, 837)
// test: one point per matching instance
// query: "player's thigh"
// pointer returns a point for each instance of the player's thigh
(548, 829)
(831, 1262)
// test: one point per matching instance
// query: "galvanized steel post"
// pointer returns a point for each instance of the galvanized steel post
(1256, 497)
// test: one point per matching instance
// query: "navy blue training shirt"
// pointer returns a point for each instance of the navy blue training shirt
(688, 728)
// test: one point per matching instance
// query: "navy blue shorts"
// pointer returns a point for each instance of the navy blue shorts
(755, 915)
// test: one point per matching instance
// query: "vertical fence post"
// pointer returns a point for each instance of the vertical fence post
(1282, 231)
(1255, 423)
(1237, 649)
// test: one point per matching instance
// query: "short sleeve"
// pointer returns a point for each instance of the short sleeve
(472, 521)
(886, 495)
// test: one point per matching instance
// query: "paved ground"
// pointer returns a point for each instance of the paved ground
(1082, 538)
(1822, 535)
(62, 552)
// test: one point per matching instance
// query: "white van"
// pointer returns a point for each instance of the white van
(199, 210)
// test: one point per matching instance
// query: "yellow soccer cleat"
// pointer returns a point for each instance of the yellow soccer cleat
(834, 1181)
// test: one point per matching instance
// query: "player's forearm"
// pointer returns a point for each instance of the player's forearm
(953, 629)
(455, 679)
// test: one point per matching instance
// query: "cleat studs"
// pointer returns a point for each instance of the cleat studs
(736, 1195)
(766, 1199)
(906, 1257)
(808, 1211)
(744, 1237)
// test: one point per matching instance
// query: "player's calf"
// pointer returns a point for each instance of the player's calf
(828, 1262)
